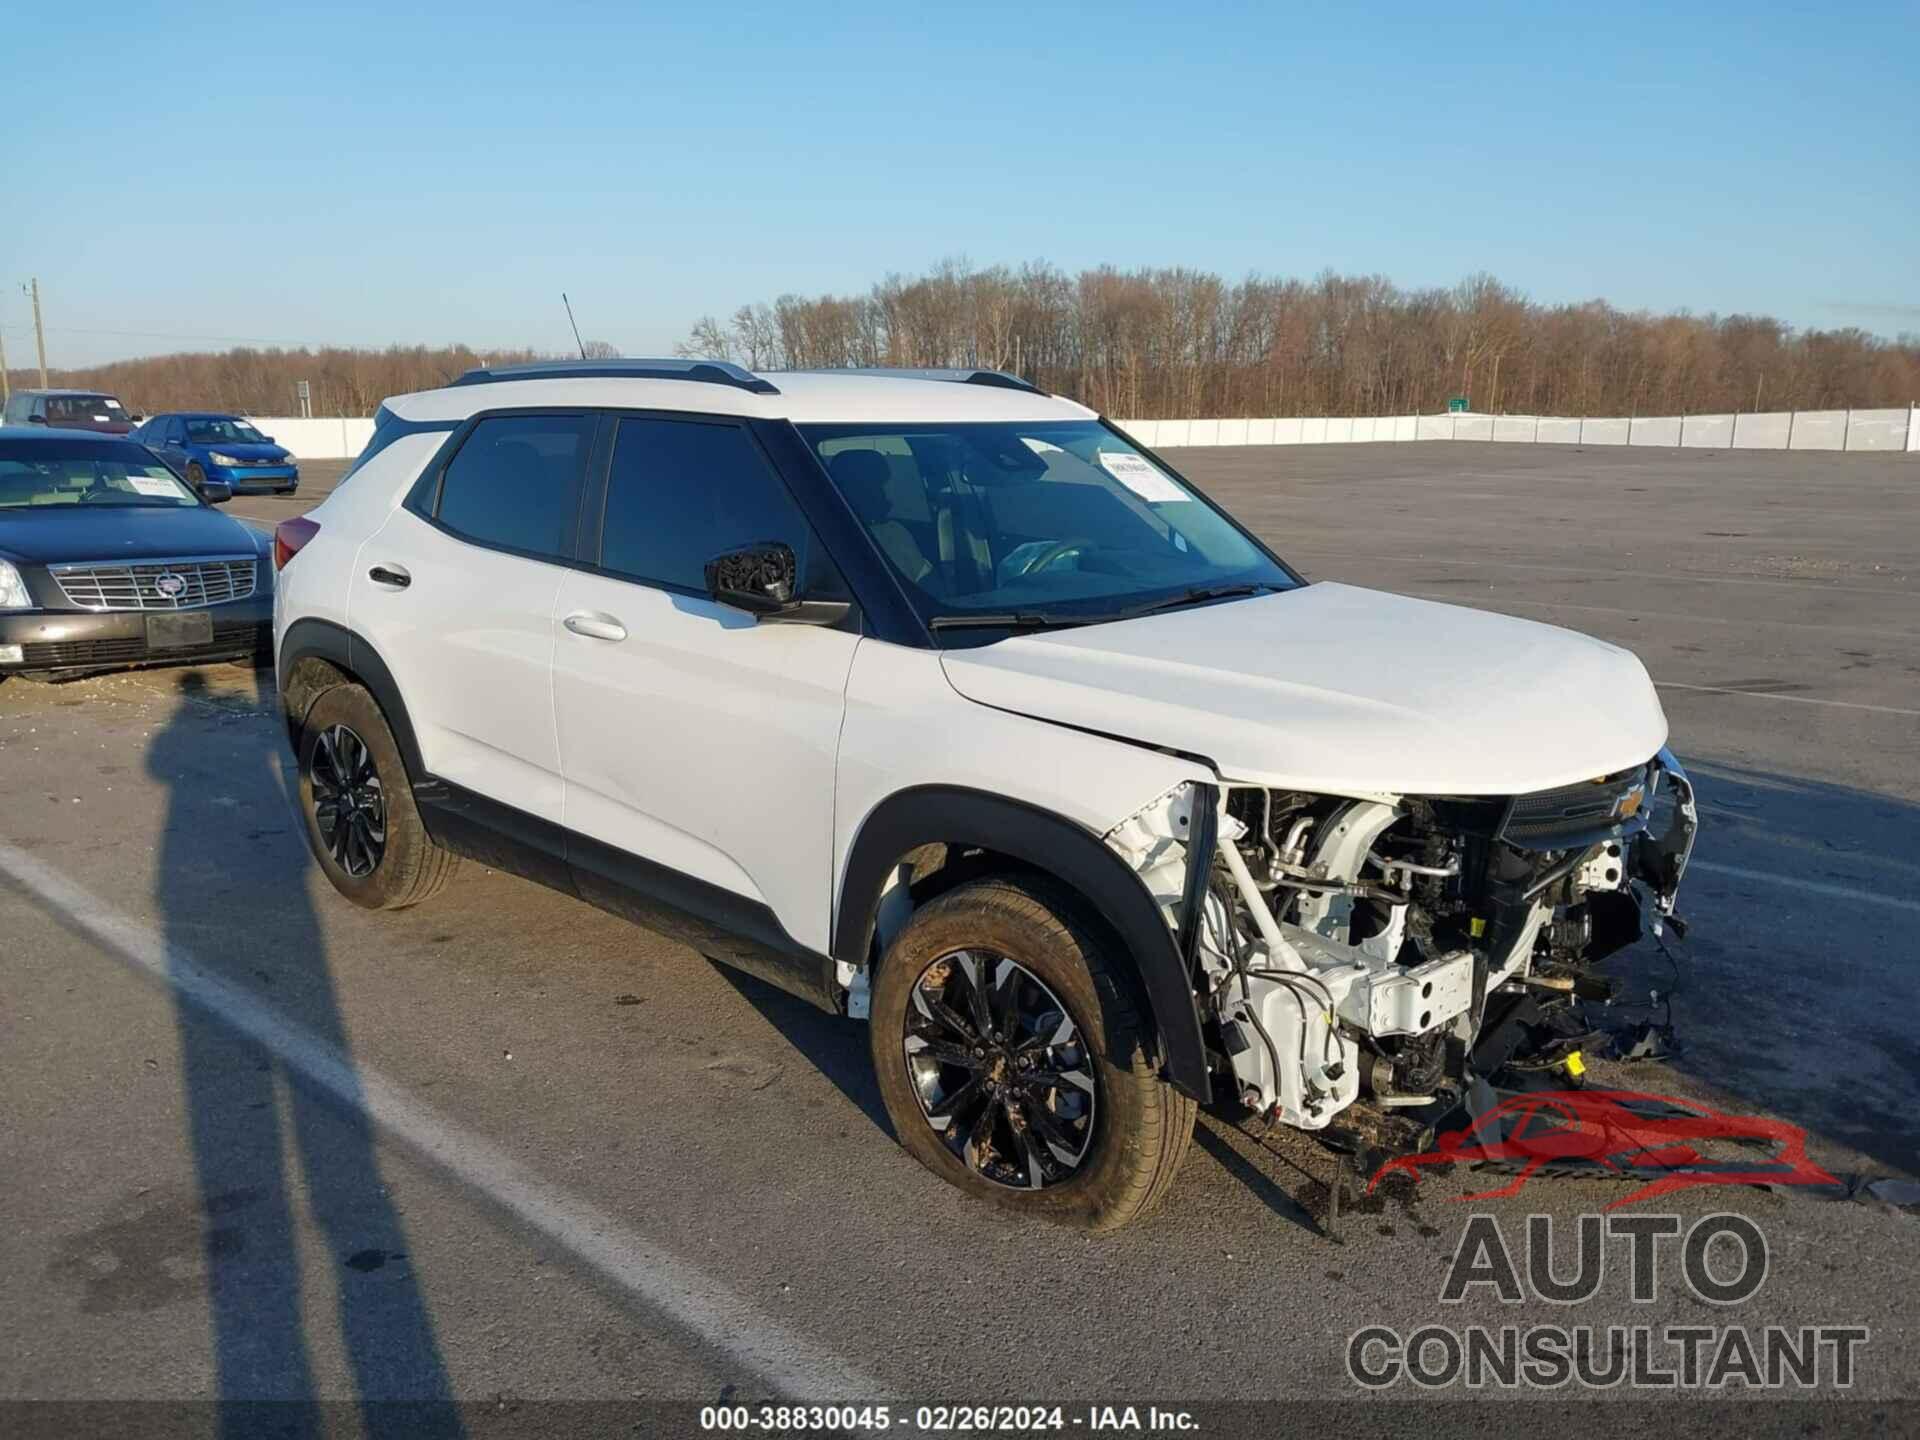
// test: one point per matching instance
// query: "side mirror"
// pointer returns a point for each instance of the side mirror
(36, 419)
(139, 419)
(216, 492)
(763, 579)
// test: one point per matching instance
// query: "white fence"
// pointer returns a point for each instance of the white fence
(1868, 430)
(330, 439)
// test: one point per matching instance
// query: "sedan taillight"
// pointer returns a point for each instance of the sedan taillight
(290, 537)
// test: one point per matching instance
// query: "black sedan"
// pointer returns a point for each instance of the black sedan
(109, 560)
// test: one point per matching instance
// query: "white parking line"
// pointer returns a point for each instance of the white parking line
(664, 1283)
(1812, 887)
(1792, 699)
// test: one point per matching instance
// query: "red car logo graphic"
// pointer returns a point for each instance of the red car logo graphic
(1621, 1133)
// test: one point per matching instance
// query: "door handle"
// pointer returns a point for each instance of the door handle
(394, 577)
(595, 625)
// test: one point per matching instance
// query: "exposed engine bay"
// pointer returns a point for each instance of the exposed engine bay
(1381, 952)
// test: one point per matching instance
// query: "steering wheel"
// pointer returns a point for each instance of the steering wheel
(1054, 553)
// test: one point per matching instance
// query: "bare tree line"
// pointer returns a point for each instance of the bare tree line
(1168, 343)
(1171, 343)
(261, 382)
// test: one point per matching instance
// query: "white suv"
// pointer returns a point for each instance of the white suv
(935, 700)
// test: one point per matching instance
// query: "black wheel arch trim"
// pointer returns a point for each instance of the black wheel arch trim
(954, 815)
(323, 640)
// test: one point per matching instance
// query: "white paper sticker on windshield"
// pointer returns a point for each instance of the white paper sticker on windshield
(1142, 477)
(102, 419)
(154, 485)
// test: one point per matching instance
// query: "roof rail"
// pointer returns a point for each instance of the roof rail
(710, 372)
(999, 379)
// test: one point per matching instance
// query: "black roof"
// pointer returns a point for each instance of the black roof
(711, 372)
(107, 394)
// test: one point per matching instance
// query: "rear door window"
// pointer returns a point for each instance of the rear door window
(515, 484)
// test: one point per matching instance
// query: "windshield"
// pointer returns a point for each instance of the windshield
(215, 432)
(37, 475)
(96, 408)
(1049, 522)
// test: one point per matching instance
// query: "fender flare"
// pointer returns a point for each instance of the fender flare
(932, 814)
(324, 640)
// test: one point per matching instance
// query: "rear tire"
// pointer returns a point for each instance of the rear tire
(357, 809)
(1131, 1130)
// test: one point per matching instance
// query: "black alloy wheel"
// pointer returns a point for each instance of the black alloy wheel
(1000, 1069)
(349, 805)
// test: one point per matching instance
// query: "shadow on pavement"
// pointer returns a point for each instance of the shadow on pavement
(836, 1047)
(1207, 1134)
(264, 1143)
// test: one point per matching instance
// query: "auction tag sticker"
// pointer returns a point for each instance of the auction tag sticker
(153, 485)
(1142, 477)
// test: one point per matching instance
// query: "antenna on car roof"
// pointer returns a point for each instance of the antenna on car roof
(576, 327)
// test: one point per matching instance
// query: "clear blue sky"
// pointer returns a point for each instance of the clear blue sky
(332, 173)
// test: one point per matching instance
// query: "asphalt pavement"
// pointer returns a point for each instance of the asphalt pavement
(258, 1144)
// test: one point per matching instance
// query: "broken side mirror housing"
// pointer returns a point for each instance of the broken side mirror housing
(764, 580)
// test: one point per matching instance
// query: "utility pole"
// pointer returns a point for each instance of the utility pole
(39, 334)
(6, 385)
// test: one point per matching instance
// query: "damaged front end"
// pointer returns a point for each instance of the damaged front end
(1373, 957)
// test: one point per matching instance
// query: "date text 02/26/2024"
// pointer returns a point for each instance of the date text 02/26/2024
(941, 1419)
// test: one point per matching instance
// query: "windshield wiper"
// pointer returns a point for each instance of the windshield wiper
(1204, 593)
(1007, 621)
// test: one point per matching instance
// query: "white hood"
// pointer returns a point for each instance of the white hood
(1334, 688)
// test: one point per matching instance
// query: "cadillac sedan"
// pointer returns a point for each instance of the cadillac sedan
(108, 560)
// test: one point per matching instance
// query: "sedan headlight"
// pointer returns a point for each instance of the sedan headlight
(13, 589)
(217, 458)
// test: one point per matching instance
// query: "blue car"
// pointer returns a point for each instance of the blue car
(207, 447)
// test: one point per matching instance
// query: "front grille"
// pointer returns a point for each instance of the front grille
(156, 585)
(1579, 814)
(67, 654)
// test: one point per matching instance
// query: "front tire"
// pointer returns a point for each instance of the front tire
(1014, 1061)
(197, 478)
(357, 806)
